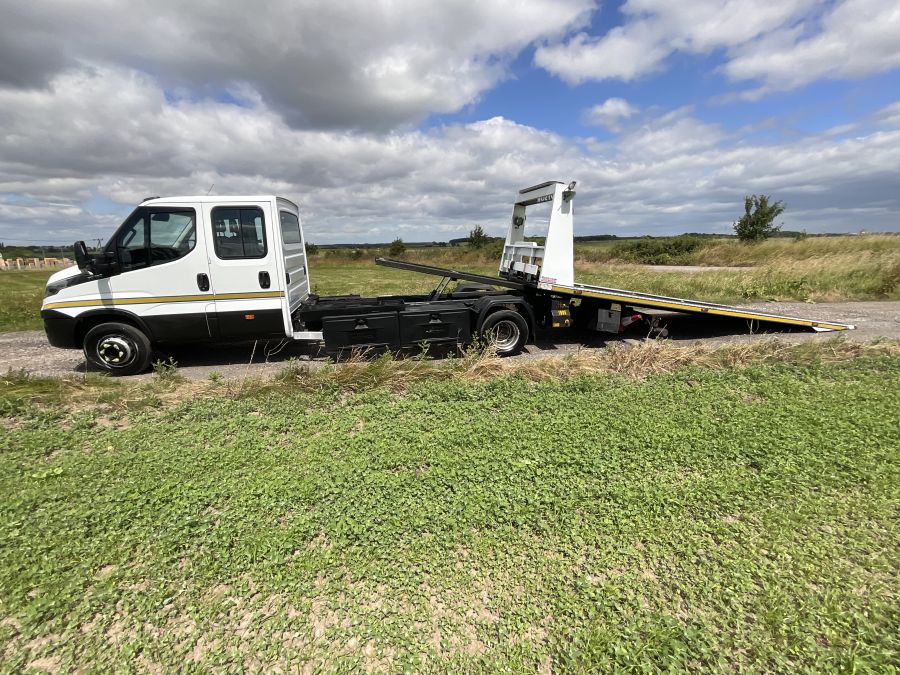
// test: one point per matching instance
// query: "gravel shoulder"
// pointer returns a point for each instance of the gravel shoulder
(29, 351)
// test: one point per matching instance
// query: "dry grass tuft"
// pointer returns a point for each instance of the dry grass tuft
(648, 358)
(363, 372)
(658, 357)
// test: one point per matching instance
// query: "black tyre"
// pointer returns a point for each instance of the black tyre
(117, 348)
(507, 331)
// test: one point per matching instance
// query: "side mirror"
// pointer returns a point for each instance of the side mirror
(106, 264)
(82, 257)
(103, 264)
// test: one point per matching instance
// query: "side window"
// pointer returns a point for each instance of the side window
(156, 237)
(172, 235)
(290, 228)
(239, 232)
(131, 243)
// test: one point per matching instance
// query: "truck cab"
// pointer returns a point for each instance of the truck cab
(182, 269)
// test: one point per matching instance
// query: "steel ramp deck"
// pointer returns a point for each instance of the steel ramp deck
(631, 298)
(651, 301)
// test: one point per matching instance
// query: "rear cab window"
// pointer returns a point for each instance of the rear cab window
(239, 232)
(290, 228)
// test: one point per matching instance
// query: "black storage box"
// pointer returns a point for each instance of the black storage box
(436, 322)
(369, 330)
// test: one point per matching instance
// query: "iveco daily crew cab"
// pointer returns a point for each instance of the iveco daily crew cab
(230, 269)
(182, 269)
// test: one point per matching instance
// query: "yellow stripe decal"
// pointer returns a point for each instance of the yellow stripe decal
(742, 314)
(111, 302)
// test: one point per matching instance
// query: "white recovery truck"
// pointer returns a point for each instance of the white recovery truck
(228, 269)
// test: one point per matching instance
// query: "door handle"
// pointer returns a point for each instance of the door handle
(202, 282)
(264, 280)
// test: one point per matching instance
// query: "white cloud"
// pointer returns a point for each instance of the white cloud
(855, 39)
(625, 53)
(782, 45)
(654, 29)
(889, 116)
(59, 152)
(675, 134)
(610, 113)
(322, 64)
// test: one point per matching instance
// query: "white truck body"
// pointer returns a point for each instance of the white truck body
(226, 269)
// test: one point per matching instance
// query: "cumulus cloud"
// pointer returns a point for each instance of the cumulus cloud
(61, 152)
(624, 53)
(780, 44)
(609, 114)
(856, 38)
(654, 29)
(889, 116)
(365, 64)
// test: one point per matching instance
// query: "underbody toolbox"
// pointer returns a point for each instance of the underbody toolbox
(367, 330)
(435, 322)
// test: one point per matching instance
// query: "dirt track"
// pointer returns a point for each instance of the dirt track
(29, 350)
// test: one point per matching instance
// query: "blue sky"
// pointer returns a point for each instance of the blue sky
(420, 120)
(535, 97)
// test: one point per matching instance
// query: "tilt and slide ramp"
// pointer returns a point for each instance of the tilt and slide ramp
(630, 298)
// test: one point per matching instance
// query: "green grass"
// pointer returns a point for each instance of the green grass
(816, 269)
(21, 293)
(815, 282)
(699, 519)
(339, 276)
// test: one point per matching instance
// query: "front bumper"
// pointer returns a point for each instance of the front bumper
(60, 329)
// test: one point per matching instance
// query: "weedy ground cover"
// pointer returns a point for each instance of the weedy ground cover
(736, 512)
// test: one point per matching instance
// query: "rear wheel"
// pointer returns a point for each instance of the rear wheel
(507, 332)
(117, 348)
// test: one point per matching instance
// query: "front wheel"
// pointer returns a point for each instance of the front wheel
(507, 332)
(117, 348)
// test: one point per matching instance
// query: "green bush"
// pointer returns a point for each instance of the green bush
(494, 249)
(477, 237)
(758, 221)
(397, 248)
(657, 250)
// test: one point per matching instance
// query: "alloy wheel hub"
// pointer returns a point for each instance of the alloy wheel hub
(506, 335)
(115, 350)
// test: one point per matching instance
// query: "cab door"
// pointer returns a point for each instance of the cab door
(294, 255)
(162, 268)
(244, 270)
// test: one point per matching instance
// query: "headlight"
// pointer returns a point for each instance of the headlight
(57, 286)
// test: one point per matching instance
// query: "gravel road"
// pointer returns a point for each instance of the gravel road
(30, 352)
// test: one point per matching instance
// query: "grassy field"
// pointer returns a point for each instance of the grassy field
(20, 299)
(469, 518)
(812, 269)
